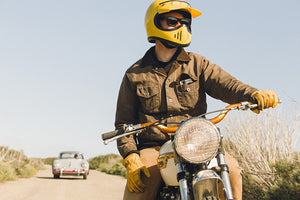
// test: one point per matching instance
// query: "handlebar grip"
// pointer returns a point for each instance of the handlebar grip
(112, 134)
(253, 100)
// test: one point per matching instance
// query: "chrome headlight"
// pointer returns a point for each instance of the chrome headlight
(55, 164)
(84, 165)
(197, 140)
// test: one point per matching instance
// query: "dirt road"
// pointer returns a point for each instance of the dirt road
(43, 187)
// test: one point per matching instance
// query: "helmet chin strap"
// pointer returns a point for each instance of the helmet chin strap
(168, 45)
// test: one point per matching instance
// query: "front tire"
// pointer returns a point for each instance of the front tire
(211, 198)
(84, 176)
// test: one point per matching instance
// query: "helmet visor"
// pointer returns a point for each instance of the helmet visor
(168, 6)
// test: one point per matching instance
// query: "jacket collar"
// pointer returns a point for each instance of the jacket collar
(150, 57)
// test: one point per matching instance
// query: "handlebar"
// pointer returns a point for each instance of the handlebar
(133, 129)
(112, 134)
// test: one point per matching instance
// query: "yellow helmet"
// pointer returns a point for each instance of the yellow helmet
(179, 36)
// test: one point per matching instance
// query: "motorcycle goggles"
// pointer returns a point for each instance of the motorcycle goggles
(173, 21)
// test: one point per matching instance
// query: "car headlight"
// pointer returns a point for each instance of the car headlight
(55, 164)
(84, 165)
(197, 140)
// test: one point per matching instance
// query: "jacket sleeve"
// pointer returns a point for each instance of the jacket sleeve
(126, 113)
(221, 85)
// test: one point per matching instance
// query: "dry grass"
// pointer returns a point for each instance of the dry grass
(14, 164)
(258, 141)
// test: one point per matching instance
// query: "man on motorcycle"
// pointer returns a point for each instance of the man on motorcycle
(171, 84)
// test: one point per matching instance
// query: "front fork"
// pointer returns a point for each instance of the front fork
(184, 191)
(181, 178)
(224, 173)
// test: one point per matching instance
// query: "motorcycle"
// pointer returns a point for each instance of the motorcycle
(192, 163)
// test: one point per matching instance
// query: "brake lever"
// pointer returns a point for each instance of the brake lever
(123, 135)
(247, 105)
(130, 129)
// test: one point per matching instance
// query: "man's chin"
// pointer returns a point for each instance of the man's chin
(169, 45)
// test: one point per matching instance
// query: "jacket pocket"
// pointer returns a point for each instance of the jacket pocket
(188, 94)
(149, 98)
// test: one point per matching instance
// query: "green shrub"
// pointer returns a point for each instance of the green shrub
(48, 161)
(110, 164)
(7, 173)
(286, 184)
(25, 171)
(98, 161)
(251, 189)
(287, 179)
(117, 169)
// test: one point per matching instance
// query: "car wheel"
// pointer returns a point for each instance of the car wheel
(84, 176)
(56, 176)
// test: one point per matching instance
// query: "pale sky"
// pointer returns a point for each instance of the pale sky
(62, 61)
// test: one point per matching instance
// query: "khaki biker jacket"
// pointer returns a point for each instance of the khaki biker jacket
(148, 94)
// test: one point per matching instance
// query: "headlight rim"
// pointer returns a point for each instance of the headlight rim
(208, 158)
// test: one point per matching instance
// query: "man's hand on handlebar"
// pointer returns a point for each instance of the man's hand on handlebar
(265, 99)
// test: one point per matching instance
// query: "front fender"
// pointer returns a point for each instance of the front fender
(206, 184)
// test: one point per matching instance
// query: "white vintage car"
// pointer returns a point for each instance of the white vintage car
(70, 163)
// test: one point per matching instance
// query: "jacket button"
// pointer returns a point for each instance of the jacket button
(170, 100)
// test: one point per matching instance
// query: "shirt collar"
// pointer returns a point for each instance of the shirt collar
(149, 57)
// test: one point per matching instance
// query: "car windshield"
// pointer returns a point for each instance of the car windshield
(71, 155)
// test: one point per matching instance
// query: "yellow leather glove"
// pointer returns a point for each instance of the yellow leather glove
(135, 167)
(265, 99)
